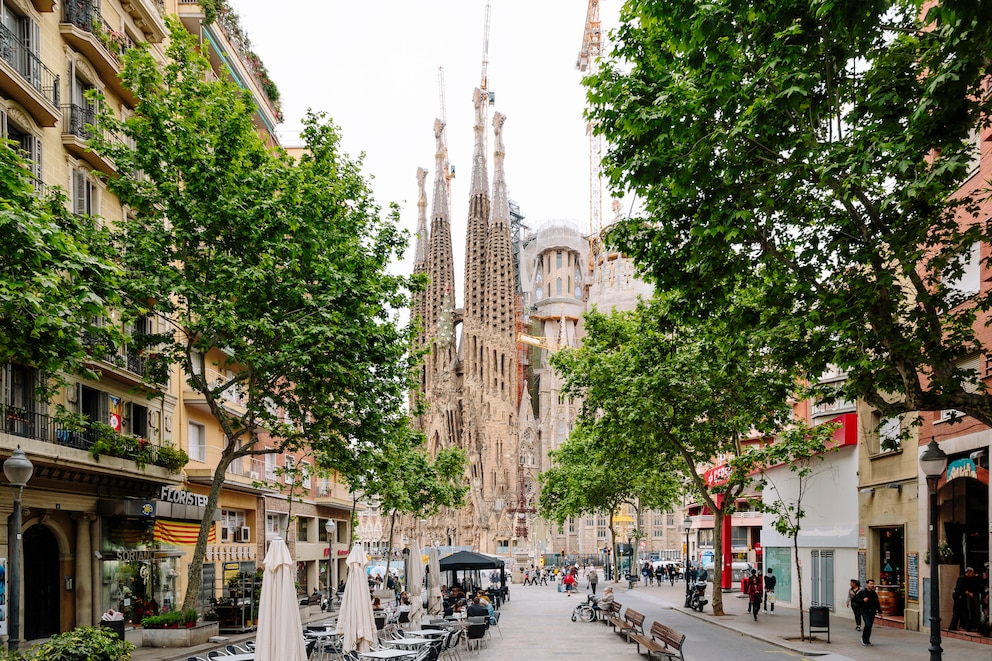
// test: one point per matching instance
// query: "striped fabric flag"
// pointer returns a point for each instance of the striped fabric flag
(181, 532)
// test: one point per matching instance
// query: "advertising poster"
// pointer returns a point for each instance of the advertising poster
(3, 596)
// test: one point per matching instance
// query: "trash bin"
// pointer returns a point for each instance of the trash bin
(117, 626)
(819, 620)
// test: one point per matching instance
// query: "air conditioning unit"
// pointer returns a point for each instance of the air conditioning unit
(244, 535)
(253, 475)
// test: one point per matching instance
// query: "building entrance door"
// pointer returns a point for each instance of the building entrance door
(41, 583)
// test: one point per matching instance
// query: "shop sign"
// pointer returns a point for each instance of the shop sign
(180, 497)
(129, 555)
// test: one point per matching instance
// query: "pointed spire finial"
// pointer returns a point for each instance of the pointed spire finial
(423, 239)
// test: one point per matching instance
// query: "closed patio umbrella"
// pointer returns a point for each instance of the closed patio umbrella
(415, 585)
(356, 621)
(279, 636)
(435, 602)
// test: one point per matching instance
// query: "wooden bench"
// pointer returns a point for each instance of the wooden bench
(664, 641)
(612, 616)
(633, 622)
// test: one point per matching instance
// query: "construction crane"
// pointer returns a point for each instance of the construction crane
(587, 63)
(450, 174)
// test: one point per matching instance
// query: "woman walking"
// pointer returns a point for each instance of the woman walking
(754, 594)
(852, 590)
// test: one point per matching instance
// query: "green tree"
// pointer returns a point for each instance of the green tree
(800, 449)
(278, 264)
(678, 397)
(812, 151)
(58, 278)
(408, 481)
(587, 478)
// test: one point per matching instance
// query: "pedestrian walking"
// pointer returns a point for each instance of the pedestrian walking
(852, 591)
(770, 581)
(569, 582)
(671, 574)
(867, 602)
(593, 579)
(754, 593)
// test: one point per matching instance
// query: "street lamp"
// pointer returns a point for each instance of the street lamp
(687, 524)
(18, 469)
(934, 462)
(330, 527)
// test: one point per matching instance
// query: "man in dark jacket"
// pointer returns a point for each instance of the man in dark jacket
(965, 596)
(866, 603)
(770, 581)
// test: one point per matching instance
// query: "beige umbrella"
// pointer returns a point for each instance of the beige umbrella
(280, 632)
(356, 621)
(415, 585)
(435, 601)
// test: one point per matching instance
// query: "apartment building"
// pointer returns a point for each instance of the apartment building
(118, 531)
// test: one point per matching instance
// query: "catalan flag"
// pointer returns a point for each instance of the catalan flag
(181, 532)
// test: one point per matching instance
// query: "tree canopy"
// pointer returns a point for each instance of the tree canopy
(668, 398)
(277, 265)
(812, 153)
(58, 278)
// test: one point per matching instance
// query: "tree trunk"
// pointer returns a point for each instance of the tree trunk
(200, 551)
(718, 515)
(799, 579)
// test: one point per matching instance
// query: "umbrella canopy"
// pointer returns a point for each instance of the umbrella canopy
(356, 621)
(279, 634)
(415, 584)
(469, 560)
(435, 604)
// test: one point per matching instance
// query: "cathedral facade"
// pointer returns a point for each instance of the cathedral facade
(469, 378)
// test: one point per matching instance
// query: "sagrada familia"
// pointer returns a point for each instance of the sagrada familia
(472, 382)
(485, 376)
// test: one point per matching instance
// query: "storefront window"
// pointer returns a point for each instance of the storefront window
(138, 574)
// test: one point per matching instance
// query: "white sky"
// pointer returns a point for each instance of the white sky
(372, 66)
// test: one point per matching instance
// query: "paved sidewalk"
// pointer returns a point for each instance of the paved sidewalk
(782, 628)
(535, 626)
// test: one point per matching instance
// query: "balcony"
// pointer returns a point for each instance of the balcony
(246, 474)
(229, 47)
(148, 17)
(67, 449)
(25, 79)
(44, 6)
(231, 398)
(78, 126)
(85, 29)
(126, 364)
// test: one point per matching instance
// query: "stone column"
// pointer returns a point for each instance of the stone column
(96, 609)
(83, 568)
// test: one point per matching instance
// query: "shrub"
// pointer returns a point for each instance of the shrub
(82, 644)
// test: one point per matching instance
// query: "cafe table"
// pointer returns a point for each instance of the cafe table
(240, 657)
(408, 642)
(427, 633)
(386, 654)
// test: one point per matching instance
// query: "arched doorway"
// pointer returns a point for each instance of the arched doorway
(41, 583)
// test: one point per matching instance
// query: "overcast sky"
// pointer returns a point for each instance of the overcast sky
(373, 65)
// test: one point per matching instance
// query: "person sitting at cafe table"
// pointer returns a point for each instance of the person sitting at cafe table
(476, 609)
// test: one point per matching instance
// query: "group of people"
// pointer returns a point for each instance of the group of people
(663, 572)
(760, 591)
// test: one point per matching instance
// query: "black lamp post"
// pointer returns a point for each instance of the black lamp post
(933, 462)
(18, 470)
(687, 524)
(330, 527)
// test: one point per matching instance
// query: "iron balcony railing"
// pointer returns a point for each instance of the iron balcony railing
(29, 65)
(85, 14)
(26, 423)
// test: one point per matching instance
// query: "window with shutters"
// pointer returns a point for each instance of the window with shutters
(137, 419)
(20, 40)
(196, 441)
(84, 194)
(962, 279)
(822, 577)
(20, 405)
(27, 143)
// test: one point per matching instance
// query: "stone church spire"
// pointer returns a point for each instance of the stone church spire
(500, 286)
(420, 253)
(440, 261)
(475, 244)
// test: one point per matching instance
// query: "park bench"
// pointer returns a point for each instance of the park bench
(633, 622)
(664, 641)
(612, 616)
